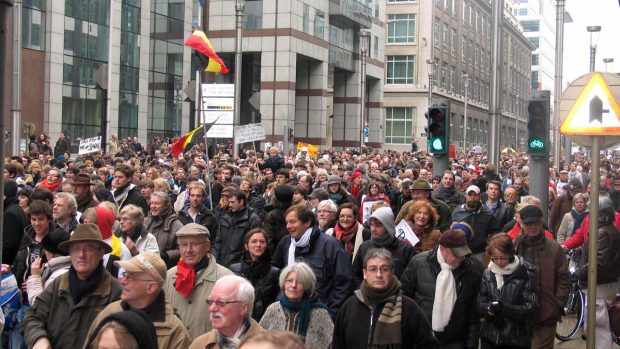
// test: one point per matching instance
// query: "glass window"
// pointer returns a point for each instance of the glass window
(445, 37)
(319, 24)
(437, 32)
(534, 41)
(535, 59)
(33, 28)
(453, 42)
(128, 108)
(401, 28)
(398, 125)
(306, 19)
(444, 74)
(253, 14)
(531, 26)
(400, 69)
(376, 47)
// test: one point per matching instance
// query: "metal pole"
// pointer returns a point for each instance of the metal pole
(239, 5)
(592, 58)
(363, 98)
(593, 243)
(4, 8)
(495, 106)
(16, 107)
(557, 91)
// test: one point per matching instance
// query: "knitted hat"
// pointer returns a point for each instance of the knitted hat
(465, 228)
(51, 241)
(386, 217)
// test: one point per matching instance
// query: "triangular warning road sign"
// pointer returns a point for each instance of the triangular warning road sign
(595, 112)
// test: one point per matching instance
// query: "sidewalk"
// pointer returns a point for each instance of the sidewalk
(575, 343)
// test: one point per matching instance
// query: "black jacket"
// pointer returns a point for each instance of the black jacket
(275, 225)
(274, 163)
(608, 257)
(402, 253)
(14, 225)
(331, 265)
(482, 222)
(134, 197)
(29, 249)
(263, 277)
(229, 242)
(356, 322)
(204, 217)
(418, 282)
(519, 304)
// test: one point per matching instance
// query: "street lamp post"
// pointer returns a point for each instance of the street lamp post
(465, 82)
(517, 123)
(364, 37)
(239, 7)
(607, 61)
(430, 67)
(594, 31)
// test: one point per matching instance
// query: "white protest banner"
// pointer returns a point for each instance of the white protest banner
(250, 133)
(366, 207)
(90, 145)
(405, 233)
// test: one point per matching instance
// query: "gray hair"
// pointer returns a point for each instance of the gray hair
(163, 196)
(135, 213)
(531, 200)
(245, 290)
(305, 275)
(321, 171)
(71, 202)
(378, 253)
(583, 196)
(458, 180)
(328, 203)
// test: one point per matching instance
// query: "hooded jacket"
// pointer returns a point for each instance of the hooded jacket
(15, 221)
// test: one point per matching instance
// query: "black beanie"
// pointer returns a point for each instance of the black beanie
(137, 323)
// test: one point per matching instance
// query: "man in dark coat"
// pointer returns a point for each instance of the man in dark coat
(236, 222)
(14, 224)
(275, 161)
(124, 192)
(378, 315)
(445, 282)
(197, 212)
(81, 190)
(62, 146)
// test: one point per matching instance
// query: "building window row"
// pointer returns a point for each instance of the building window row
(401, 29)
(400, 69)
(398, 125)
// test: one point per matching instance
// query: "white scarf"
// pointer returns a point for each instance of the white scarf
(445, 295)
(303, 242)
(500, 272)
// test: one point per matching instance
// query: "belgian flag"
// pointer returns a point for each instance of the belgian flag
(207, 57)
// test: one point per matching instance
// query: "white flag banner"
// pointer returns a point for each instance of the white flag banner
(366, 210)
(405, 233)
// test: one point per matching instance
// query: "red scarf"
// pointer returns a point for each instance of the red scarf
(355, 191)
(346, 237)
(186, 276)
(51, 187)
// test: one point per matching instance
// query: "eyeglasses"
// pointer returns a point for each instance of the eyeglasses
(260, 242)
(383, 269)
(325, 211)
(346, 216)
(85, 249)
(290, 282)
(191, 244)
(220, 304)
(53, 175)
(132, 277)
(500, 258)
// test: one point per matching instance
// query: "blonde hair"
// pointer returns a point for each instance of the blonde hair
(110, 206)
(124, 339)
(161, 184)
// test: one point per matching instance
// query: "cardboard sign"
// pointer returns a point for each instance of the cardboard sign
(249, 133)
(90, 145)
(405, 233)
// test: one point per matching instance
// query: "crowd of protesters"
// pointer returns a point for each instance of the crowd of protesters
(207, 250)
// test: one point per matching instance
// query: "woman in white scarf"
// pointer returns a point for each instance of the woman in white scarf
(508, 297)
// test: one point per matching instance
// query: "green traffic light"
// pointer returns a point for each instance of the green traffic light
(437, 144)
(536, 144)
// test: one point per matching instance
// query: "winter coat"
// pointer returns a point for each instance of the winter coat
(608, 257)
(164, 227)
(193, 311)
(334, 277)
(229, 243)
(550, 261)
(320, 325)
(274, 163)
(21, 265)
(444, 211)
(402, 253)
(145, 241)
(356, 322)
(14, 225)
(454, 200)
(204, 217)
(275, 226)
(519, 299)
(171, 332)
(62, 147)
(209, 340)
(560, 206)
(55, 314)
(361, 236)
(134, 197)
(266, 285)
(482, 222)
(418, 282)
(56, 267)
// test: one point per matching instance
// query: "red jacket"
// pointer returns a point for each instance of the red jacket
(516, 230)
(581, 234)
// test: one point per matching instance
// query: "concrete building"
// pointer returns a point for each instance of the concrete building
(302, 56)
(446, 44)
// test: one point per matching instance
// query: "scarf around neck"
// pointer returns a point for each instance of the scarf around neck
(79, 288)
(445, 295)
(346, 237)
(501, 272)
(234, 341)
(303, 307)
(387, 332)
(120, 194)
(302, 242)
(578, 217)
(446, 192)
(186, 276)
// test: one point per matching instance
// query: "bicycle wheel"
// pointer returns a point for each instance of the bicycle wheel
(573, 319)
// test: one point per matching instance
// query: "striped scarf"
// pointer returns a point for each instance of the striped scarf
(387, 332)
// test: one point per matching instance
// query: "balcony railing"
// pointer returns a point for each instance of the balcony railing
(352, 10)
(341, 58)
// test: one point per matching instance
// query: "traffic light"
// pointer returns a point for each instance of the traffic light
(439, 127)
(538, 125)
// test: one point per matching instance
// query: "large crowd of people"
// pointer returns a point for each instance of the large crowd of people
(136, 248)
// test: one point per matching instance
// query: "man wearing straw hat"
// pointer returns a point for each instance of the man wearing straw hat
(58, 317)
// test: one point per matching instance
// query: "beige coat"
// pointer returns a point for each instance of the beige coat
(171, 333)
(194, 311)
(209, 340)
